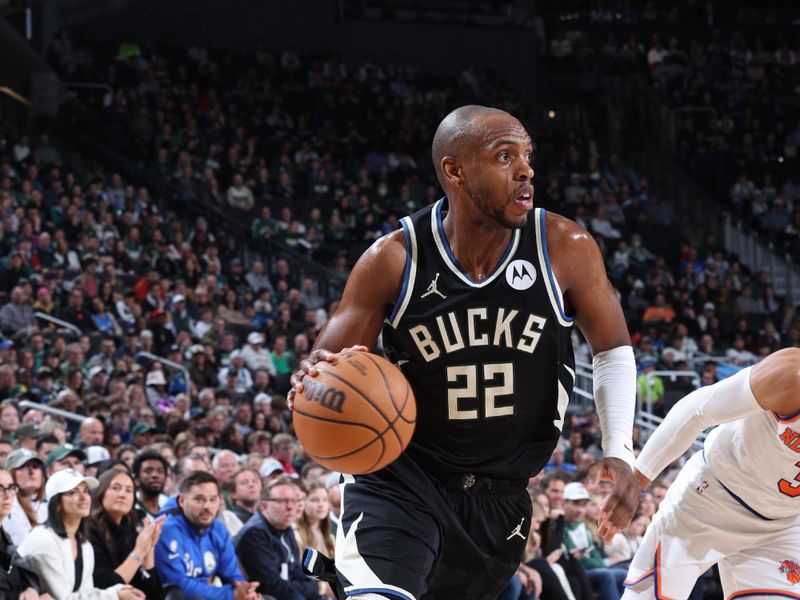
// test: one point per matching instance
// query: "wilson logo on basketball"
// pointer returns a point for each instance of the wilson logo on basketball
(329, 397)
(791, 569)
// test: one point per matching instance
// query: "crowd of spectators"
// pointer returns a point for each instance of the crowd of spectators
(732, 96)
(324, 158)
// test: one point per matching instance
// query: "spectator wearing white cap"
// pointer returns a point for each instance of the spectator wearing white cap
(255, 355)
(271, 468)
(97, 380)
(244, 380)
(606, 582)
(201, 372)
(94, 456)
(181, 319)
(59, 552)
(157, 393)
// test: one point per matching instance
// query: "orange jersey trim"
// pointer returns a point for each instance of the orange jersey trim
(789, 418)
(629, 583)
(657, 575)
(762, 592)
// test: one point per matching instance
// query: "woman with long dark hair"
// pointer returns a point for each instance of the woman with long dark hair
(60, 553)
(123, 542)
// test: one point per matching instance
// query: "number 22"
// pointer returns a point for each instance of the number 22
(502, 371)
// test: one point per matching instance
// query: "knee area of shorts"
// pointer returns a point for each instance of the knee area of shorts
(367, 597)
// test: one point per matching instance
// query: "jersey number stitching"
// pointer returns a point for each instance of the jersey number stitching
(503, 373)
(787, 488)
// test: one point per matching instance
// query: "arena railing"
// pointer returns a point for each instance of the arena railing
(671, 376)
(169, 363)
(784, 272)
(64, 324)
(645, 419)
(75, 87)
(583, 384)
(53, 411)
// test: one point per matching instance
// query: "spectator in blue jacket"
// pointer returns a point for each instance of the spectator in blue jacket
(267, 548)
(195, 552)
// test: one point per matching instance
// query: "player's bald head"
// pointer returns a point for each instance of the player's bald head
(459, 131)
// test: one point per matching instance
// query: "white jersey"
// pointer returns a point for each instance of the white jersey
(757, 458)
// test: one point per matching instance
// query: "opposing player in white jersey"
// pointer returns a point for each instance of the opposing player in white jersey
(735, 503)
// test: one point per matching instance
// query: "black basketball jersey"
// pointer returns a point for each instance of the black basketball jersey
(490, 362)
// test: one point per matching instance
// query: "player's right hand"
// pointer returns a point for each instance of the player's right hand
(308, 367)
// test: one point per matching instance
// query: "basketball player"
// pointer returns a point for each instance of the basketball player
(736, 502)
(476, 296)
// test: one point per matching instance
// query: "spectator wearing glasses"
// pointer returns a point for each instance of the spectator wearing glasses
(59, 552)
(267, 548)
(18, 582)
(194, 551)
(29, 508)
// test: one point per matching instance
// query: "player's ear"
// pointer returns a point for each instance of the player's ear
(451, 170)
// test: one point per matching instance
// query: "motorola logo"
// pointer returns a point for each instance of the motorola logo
(520, 275)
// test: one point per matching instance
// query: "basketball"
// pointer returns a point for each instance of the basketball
(357, 415)
(793, 577)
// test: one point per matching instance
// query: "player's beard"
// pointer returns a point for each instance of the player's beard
(483, 202)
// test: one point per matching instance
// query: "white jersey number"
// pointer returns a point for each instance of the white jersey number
(497, 380)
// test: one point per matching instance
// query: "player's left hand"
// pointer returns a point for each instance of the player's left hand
(620, 506)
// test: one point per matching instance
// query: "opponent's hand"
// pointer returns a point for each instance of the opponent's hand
(621, 504)
(307, 367)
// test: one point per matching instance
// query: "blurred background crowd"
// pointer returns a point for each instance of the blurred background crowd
(161, 302)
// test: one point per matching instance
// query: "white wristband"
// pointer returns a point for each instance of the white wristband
(614, 381)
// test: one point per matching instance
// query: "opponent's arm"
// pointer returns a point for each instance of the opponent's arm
(374, 284)
(773, 384)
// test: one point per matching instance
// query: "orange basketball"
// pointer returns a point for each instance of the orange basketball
(793, 576)
(357, 415)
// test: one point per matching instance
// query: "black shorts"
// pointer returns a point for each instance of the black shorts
(407, 534)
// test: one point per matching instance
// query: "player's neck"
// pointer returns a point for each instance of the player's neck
(477, 245)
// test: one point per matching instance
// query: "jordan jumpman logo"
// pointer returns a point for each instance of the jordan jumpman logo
(432, 289)
(517, 530)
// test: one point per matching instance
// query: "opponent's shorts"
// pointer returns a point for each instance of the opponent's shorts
(700, 523)
(406, 534)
